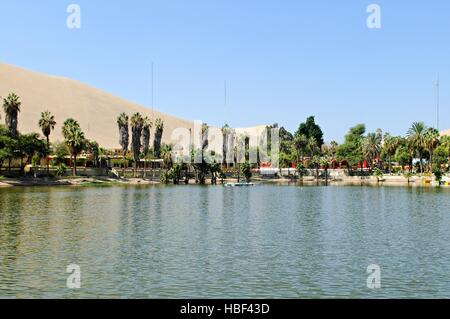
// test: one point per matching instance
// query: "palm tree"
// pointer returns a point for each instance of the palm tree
(225, 134)
(11, 107)
(47, 124)
(371, 148)
(390, 145)
(300, 142)
(159, 129)
(312, 146)
(137, 123)
(166, 156)
(124, 136)
(416, 134)
(431, 142)
(146, 140)
(325, 163)
(75, 141)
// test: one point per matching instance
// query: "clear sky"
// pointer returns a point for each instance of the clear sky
(282, 60)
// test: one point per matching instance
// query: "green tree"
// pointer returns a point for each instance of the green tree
(403, 157)
(390, 145)
(351, 150)
(29, 145)
(93, 148)
(431, 141)
(371, 148)
(47, 124)
(137, 123)
(75, 141)
(300, 143)
(146, 141)
(311, 129)
(11, 107)
(416, 135)
(247, 171)
(124, 136)
(225, 135)
(159, 129)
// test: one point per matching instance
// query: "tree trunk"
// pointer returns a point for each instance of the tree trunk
(124, 160)
(48, 153)
(145, 167)
(74, 166)
(239, 173)
(421, 163)
(431, 160)
(390, 164)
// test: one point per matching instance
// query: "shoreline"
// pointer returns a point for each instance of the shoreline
(399, 181)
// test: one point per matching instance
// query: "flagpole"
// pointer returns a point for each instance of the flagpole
(437, 102)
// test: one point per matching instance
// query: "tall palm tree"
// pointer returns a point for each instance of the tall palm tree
(312, 146)
(47, 124)
(225, 135)
(390, 145)
(137, 123)
(416, 134)
(11, 107)
(371, 148)
(166, 156)
(325, 164)
(124, 136)
(146, 127)
(75, 141)
(159, 129)
(300, 143)
(431, 142)
(205, 132)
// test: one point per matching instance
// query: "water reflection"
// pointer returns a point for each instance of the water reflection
(215, 242)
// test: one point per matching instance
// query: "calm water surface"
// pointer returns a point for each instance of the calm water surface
(215, 242)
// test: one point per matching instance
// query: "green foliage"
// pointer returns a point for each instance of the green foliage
(61, 170)
(437, 174)
(311, 129)
(74, 139)
(159, 129)
(246, 170)
(60, 152)
(301, 170)
(377, 172)
(11, 107)
(175, 173)
(351, 149)
(165, 177)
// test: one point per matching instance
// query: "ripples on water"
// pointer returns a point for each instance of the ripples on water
(215, 242)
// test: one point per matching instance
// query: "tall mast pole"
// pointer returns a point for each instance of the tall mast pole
(437, 102)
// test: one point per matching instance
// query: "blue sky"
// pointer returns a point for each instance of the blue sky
(282, 60)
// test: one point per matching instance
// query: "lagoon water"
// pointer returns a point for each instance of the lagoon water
(215, 242)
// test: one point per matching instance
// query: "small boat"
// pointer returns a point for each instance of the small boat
(239, 184)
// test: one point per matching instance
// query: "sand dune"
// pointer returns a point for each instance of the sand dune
(95, 110)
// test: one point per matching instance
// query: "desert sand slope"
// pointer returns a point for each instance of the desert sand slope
(95, 110)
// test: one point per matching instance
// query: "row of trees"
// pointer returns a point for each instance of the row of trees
(374, 150)
(31, 148)
(140, 137)
(421, 150)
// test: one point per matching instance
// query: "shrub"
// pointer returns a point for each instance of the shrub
(438, 175)
(61, 170)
